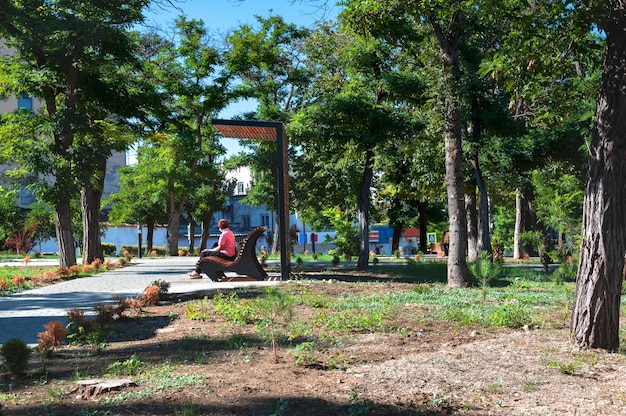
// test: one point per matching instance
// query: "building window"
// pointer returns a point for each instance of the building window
(265, 220)
(25, 102)
(246, 221)
(240, 188)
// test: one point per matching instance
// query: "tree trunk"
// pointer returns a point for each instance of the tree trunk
(458, 273)
(472, 224)
(423, 227)
(206, 228)
(90, 197)
(173, 224)
(149, 234)
(395, 239)
(175, 210)
(483, 241)
(518, 246)
(484, 211)
(595, 316)
(65, 239)
(364, 211)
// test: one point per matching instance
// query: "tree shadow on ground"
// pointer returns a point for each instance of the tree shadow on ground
(294, 406)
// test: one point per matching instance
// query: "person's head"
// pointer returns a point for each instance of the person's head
(223, 224)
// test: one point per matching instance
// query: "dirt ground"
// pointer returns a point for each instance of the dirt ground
(423, 367)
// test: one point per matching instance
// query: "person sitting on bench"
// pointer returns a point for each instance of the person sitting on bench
(225, 247)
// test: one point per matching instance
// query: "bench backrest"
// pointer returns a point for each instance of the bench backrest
(249, 243)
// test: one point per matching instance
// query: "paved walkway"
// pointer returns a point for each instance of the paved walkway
(23, 315)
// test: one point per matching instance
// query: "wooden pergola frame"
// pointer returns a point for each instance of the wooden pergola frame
(273, 131)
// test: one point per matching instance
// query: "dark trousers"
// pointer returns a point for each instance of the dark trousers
(207, 253)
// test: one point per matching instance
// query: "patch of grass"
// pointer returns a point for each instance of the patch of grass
(129, 367)
(237, 311)
(156, 381)
(200, 310)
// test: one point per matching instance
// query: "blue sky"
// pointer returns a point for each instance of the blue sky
(220, 16)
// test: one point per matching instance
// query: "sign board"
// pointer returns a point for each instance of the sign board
(432, 237)
(374, 237)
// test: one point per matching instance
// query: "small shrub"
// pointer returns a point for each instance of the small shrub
(74, 270)
(120, 305)
(76, 319)
(53, 336)
(18, 280)
(121, 262)
(163, 286)
(96, 264)
(335, 261)
(15, 353)
(303, 354)
(49, 276)
(88, 268)
(106, 313)
(150, 295)
(4, 285)
(513, 314)
(135, 303)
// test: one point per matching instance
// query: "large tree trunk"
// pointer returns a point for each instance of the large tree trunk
(595, 316)
(395, 239)
(364, 211)
(90, 197)
(458, 273)
(173, 224)
(175, 210)
(65, 239)
(149, 234)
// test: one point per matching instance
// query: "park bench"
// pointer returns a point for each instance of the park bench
(245, 265)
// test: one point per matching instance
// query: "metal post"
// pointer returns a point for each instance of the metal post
(139, 240)
(283, 202)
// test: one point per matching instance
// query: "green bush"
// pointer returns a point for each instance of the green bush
(132, 249)
(15, 353)
(109, 249)
(160, 250)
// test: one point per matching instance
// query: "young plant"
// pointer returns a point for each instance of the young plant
(275, 312)
(484, 269)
